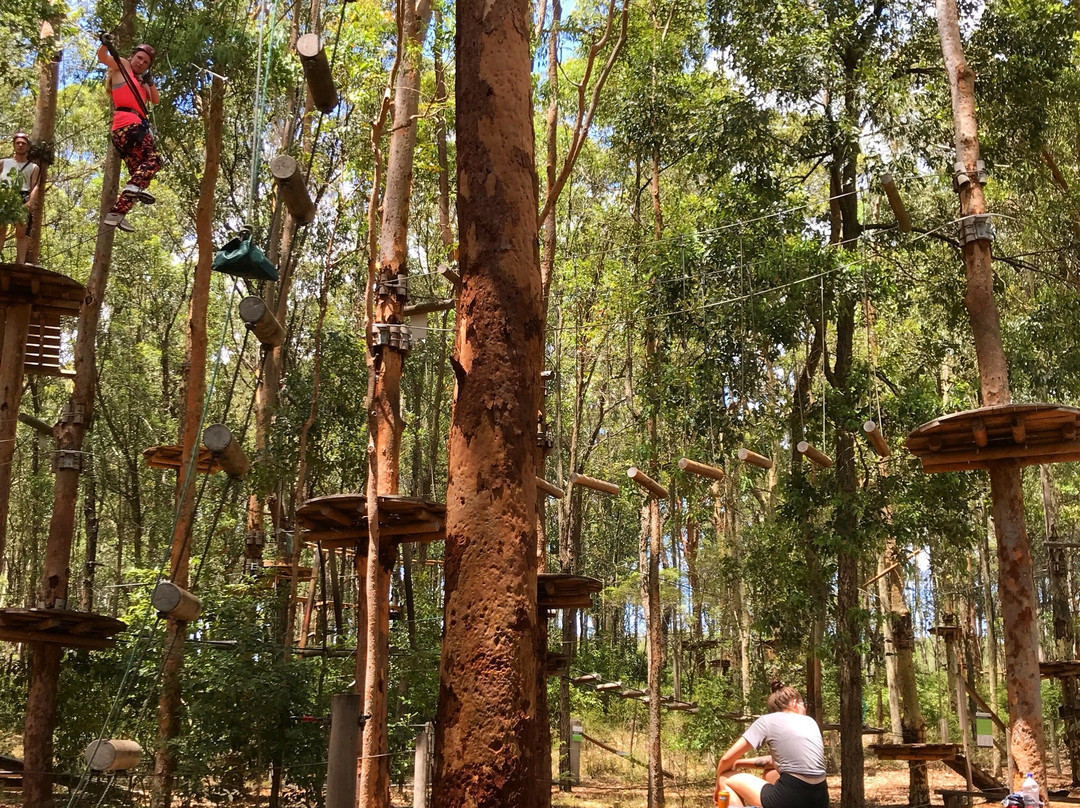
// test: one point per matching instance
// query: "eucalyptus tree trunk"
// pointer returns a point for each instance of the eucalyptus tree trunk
(1016, 590)
(165, 757)
(990, 615)
(486, 728)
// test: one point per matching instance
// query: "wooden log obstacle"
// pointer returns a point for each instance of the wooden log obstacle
(292, 188)
(754, 459)
(602, 486)
(320, 81)
(816, 455)
(260, 321)
(112, 755)
(896, 202)
(172, 601)
(219, 440)
(549, 489)
(701, 469)
(877, 440)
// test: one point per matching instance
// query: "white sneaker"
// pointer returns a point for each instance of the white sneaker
(114, 219)
(141, 194)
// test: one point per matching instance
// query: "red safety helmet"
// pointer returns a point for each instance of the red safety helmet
(20, 136)
(147, 49)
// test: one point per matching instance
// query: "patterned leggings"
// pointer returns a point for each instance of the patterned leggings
(136, 147)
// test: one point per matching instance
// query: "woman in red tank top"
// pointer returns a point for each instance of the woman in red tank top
(132, 90)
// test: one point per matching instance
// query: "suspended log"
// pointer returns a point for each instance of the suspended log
(293, 188)
(112, 755)
(877, 440)
(605, 686)
(754, 459)
(549, 489)
(692, 466)
(647, 482)
(317, 72)
(816, 455)
(903, 221)
(172, 601)
(261, 322)
(219, 440)
(596, 485)
(429, 306)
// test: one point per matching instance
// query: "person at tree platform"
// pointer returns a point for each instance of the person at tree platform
(795, 770)
(18, 174)
(132, 88)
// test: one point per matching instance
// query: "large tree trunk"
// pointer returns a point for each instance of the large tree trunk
(385, 409)
(195, 392)
(486, 729)
(1016, 586)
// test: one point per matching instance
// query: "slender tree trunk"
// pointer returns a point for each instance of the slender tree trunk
(655, 645)
(486, 729)
(992, 663)
(90, 520)
(42, 136)
(1016, 587)
(195, 392)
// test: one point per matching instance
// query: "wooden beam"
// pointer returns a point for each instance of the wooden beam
(261, 322)
(292, 188)
(877, 440)
(816, 455)
(754, 459)
(429, 306)
(903, 221)
(602, 486)
(37, 424)
(623, 755)
(549, 489)
(647, 482)
(700, 469)
(317, 72)
(226, 450)
(986, 708)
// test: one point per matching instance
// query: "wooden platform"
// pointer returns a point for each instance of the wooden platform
(1060, 669)
(557, 591)
(340, 521)
(1028, 434)
(60, 626)
(46, 291)
(283, 569)
(171, 457)
(915, 751)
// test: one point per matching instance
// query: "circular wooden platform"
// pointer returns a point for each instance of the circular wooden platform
(558, 591)
(1028, 434)
(46, 291)
(172, 456)
(340, 521)
(60, 626)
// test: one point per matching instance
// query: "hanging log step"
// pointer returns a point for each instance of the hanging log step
(317, 73)
(602, 486)
(549, 489)
(683, 707)
(226, 450)
(915, 751)
(556, 664)
(60, 626)
(754, 459)
(608, 686)
(646, 482)
(174, 602)
(171, 457)
(340, 521)
(700, 469)
(877, 440)
(292, 188)
(974, 439)
(112, 755)
(1059, 669)
(261, 322)
(586, 679)
(631, 693)
(559, 591)
(816, 455)
(896, 202)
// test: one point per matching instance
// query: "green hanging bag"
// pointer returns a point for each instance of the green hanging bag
(242, 259)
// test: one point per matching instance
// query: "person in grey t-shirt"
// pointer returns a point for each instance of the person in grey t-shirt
(795, 770)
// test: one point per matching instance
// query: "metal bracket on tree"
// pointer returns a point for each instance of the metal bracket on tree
(962, 178)
(67, 459)
(976, 227)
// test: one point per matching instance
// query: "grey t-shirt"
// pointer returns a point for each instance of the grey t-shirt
(795, 742)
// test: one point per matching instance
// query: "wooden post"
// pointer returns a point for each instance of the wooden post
(317, 72)
(16, 327)
(292, 187)
(702, 470)
(903, 221)
(818, 456)
(344, 750)
(877, 440)
(261, 321)
(754, 459)
(176, 603)
(421, 767)
(112, 755)
(602, 486)
(219, 440)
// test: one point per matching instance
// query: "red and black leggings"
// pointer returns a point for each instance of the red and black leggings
(136, 147)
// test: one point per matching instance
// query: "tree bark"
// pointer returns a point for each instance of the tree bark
(1016, 586)
(195, 392)
(486, 732)
(42, 136)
